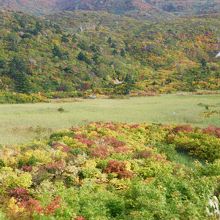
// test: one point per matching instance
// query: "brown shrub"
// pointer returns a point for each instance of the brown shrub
(183, 128)
(119, 168)
(212, 130)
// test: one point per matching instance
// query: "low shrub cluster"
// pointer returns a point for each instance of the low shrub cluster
(112, 171)
(13, 98)
(203, 144)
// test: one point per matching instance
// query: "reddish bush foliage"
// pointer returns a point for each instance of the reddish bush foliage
(111, 126)
(114, 142)
(87, 142)
(108, 125)
(160, 157)
(101, 152)
(149, 154)
(183, 128)
(80, 136)
(53, 206)
(84, 140)
(20, 194)
(27, 168)
(80, 218)
(134, 126)
(119, 168)
(212, 130)
(32, 205)
(55, 166)
(63, 147)
(123, 149)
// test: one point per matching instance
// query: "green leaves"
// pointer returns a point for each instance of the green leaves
(91, 53)
(65, 179)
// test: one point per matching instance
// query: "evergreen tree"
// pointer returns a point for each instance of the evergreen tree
(2, 63)
(18, 64)
(130, 82)
(122, 52)
(83, 57)
(114, 52)
(22, 84)
(18, 71)
(57, 52)
(13, 41)
(109, 40)
(38, 28)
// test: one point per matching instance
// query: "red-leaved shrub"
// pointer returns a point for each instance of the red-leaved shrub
(53, 206)
(122, 149)
(212, 130)
(101, 152)
(119, 168)
(27, 168)
(114, 142)
(111, 126)
(80, 218)
(55, 166)
(33, 205)
(134, 126)
(20, 194)
(61, 146)
(183, 128)
(160, 158)
(84, 140)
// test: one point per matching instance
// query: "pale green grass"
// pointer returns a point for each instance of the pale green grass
(22, 122)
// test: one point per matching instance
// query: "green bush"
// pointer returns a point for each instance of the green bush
(13, 98)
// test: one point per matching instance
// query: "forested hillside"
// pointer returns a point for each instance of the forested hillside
(187, 7)
(107, 53)
(40, 7)
(149, 8)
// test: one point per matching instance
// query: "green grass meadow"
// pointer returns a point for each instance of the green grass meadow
(21, 123)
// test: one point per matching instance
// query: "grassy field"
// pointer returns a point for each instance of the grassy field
(23, 122)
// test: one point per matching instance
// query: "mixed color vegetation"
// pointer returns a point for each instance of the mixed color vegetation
(60, 52)
(24, 122)
(113, 171)
(82, 53)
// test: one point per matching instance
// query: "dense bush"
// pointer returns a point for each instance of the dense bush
(203, 144)
(111, 171)
(59, 58)
(12, 98)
